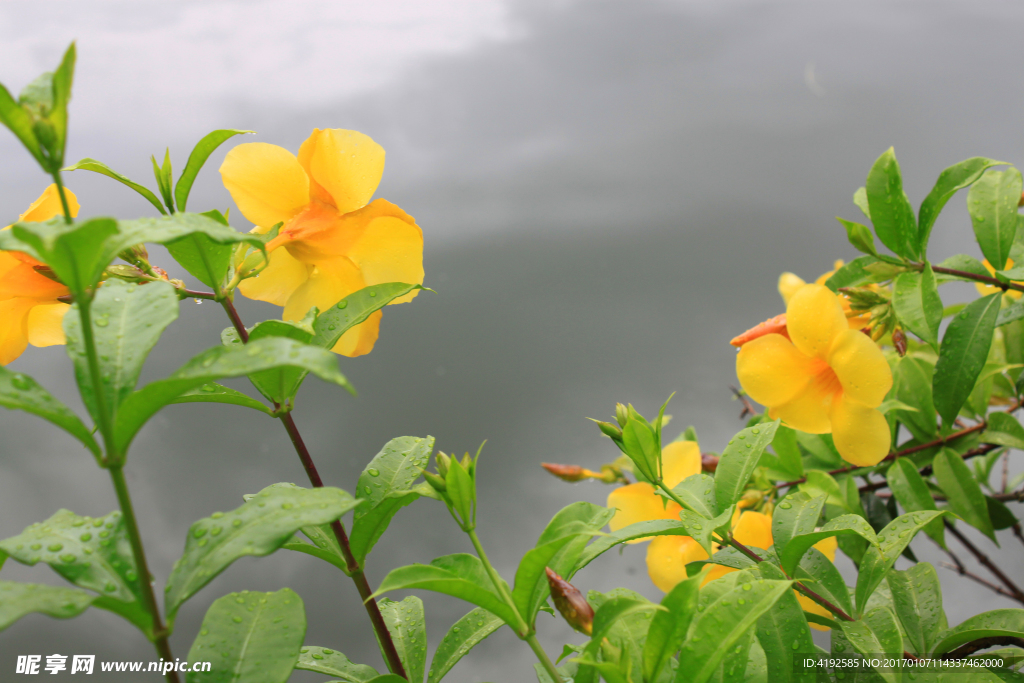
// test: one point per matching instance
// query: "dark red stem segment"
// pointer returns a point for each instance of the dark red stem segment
(387, 646)
(984, 560)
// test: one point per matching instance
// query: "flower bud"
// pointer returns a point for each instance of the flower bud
(122, 271)
(751, 498)
(46, 272)
(570, 603)
(610, 430)
(570, 473)
(45, 133)
(862, 298)
(443, 461)
(899, 340)
(708, 462)
(621, 414)
(436, 482)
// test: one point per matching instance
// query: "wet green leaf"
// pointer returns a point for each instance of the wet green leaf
(890, 209)
(669, 627)
(77, 252)
(828, 582)
(952, 179)
(965, 347)
(259, 527)
(784, 635)
(992, 204)
(407, 625)
(21, 392)
(912, 492)
(356, 308)
(218, 393)
(88, 164)
(602, 544)
(962, 491)
(324, 660)
(200, 153)
(917, 598)
(912, 380)
(738, 462)
(844, 525)
(463, 636)
(20, 599)
(870, 642)
(1000, 622)
(250, 638)
(1005, 430)
(859, 236)
(918, 306)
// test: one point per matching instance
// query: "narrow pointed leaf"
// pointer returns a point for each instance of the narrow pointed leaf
(738, 462)
(844, 525)
(698, 493)
(88, 164)
(962, 491)
(356, 308)
(602, 544)
(992, 203)
(890, 209)
(19, 122)
(795, 515)
(828, 582)
(20, 392)
(784, 635)
(669, 627)
(463, 636)
(1000, 622)
(407, 625)
(218, 393)
(208, 261)
(250, 638)
(168, 229)
(257, 528)
(918, 306)
(20, 599)
(200, 153)
(917, 599)
(77, 253)
(1003, 429)
(912, 492)
(912, 381)
(869, 643)
(954, 178)
(965, 347)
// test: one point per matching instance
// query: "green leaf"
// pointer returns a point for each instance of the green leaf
(918, 306)
(218, 393)
(859, 236)
(697, 491)
(463, 636)
(1000, 622)
(795, 515)
(385, 487)
(784, 634)
(669, 627)
(823, 484)
(63, 78)
(890, 209)
(912, 492)
(659, 527)
(250, 638)
(387, 678)
(278, 385)
(738, 462)
(893, 539)
(962, 491)
(787, 449)
(912, 381)
(992, 203)
(965, 263)
(356, 308)
(172, 231)
(531, 586)
(853, 273)
(200, 153)
(19, 122)
(1003, 429)
(127, 322)
(865, 640)
(21, 392)
(218, 363)
(844, 525)
(965, 347)
(613, 609)
(1010, 314)
(206, 260)
(164, 179)
(88, 164)
(330, 662)
(77, 253)
(917, 598)
(1000, 514)
(408, 628)
(257, 528)
(954, 178)
(591, 517)
(94, 554)
(701, 529)
(20, 599)
(460, 575)
(324, 546)
(715, 631)
(828, 582)
(860, 198)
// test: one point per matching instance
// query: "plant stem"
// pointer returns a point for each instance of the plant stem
(970, 276)
(63, 198)
(114, 462)
(986, 562)
(355, 571)
(523, 629)
(163, 647)
(545, 661)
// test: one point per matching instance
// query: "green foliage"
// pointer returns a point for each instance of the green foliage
(218, 393)
(355, 309)
(88, 164)
(917, 598)
(738, 462)
(962, 491)
(164, 179)
(408, 628)
(21, 392)
(965, 347)
(200, 153)
(259, 527)
(463, 636)
(669, 626)
(330, 662)
(917, 303)
(20, 599)
(784, 635)
(913, 493)
(890, 209)
(250, 637)
(877, 633)
(91, 553)
(954, 178)
(992, 203)
(1000, 622)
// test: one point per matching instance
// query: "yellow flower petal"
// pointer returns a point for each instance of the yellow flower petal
(985, 290)
(328, 283)
(809, 605)
(861, 367)
(24, 281)
(48, 205)
(679, 460)
(772, 370)
(860, 432)
(827, 547)
(788, 284)
(13, 337)
(279, 279)
(7, 262)
(639, 503)
(45, 324)
(266, 182)
(808, 411)
(754, 530)
(390, 248)
(346, 164)
(814, 317)
(667, 557)
(360, 339)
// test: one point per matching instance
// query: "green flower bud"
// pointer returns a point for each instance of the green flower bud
(436, 482)
(443, 461)
(621, 414)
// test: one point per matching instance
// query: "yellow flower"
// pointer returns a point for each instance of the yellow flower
(333, 242)
(985, 290)
(823, 377)
(667, 556)
(30, 312)
(789, 283)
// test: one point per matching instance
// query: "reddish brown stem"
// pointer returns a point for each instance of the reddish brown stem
(983, 559)
(971, 276)
(387, 645)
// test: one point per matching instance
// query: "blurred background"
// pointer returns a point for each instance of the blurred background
(608, 192)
